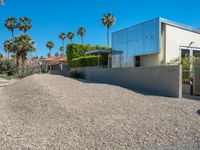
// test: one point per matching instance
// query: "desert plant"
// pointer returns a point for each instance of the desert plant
(61, 50)
(8, 46)
(1, 56)
(81, 31)
(7, 67)
(63, 36)
(50, 45)
(11, 24)
(22, 45)
(108, 20)
(70, 36)
(56, 54)
(24, 24)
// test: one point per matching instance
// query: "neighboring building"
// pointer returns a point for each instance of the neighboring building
(56, 64)
(154, 43)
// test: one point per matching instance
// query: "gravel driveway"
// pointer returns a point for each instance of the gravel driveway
(54, 112)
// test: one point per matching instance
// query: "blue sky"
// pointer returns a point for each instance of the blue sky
(51, 17)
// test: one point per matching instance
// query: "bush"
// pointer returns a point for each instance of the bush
(74, 74)
(8, 67)
(78, 50)
(86, 61)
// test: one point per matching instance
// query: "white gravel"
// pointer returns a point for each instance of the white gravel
(58, 113)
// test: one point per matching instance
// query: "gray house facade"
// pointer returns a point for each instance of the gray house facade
(154, 43)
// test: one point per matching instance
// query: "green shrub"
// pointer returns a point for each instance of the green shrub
(90, 60)
(78, 50)
(7, 67)
(74, 74)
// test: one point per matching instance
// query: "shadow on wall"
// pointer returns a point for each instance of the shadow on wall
(142, 79)
(141, 91)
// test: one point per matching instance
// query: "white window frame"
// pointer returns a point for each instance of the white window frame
(191, 49)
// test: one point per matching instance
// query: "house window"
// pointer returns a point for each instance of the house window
(185, 53)
(196, 53)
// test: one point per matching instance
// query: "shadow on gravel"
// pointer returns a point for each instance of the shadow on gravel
(198, 112)
(135, 89)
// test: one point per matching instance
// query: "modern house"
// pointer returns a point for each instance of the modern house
(154, 43)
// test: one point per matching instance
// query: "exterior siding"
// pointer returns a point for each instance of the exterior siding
(141, 39)
(176, 38)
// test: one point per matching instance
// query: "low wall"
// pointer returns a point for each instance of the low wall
(161, 80)
(63, 72)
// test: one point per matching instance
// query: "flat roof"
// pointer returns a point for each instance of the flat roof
(169, 22)
(179, 25)
(101, 51)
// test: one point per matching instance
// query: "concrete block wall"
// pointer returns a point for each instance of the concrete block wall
(159, 80)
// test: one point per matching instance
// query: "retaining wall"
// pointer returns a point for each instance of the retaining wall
(159, 80)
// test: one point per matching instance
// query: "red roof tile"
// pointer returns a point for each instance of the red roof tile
(56, 59)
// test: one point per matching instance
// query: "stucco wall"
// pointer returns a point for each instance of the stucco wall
(175, 38)
(150, 60)
(160, 80)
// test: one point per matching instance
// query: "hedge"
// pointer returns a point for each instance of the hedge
(79, 50)
(86, 61)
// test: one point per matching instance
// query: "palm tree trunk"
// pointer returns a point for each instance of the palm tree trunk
(50, 52)
(63, 47)
(8, 54)
(82, 39)
(108, 38)
(16, 59)
(12, 33)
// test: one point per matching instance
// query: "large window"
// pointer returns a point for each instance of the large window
(185, 53)
(186, 56)
(196, 53)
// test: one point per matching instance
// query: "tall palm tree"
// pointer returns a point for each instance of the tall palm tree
(70, 35)
(11, 24)
(62, 36)
(61, 50)
(8, 45)
(108, 20)
(81, 31)
(24, 24)
(50, 45)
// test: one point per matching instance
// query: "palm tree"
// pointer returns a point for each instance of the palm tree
(81, 32)
(20, 45)
(50, 45)
(108, 20)
(23, 44)
(56, 54)
(61, 50)
(11, 24)
(8, 45)
(70, 35)
(1, 2)
(24, 24)
(63, 36)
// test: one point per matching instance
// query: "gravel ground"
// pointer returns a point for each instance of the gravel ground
(54, 112)
(4, 82)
